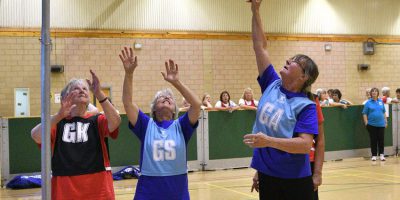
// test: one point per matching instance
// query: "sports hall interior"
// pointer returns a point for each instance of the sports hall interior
(355, 43)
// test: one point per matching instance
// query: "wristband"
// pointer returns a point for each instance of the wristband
(102, 101)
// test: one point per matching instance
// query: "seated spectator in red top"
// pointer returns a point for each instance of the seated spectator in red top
(225, 102)
(247, 102)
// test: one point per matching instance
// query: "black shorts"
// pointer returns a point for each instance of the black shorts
(273, 188)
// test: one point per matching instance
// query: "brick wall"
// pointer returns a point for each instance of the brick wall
(205, 66)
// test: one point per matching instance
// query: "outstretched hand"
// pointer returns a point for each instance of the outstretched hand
(255, 4)
(94, 85)
(171, 74)
(66, 105)
(129, 62)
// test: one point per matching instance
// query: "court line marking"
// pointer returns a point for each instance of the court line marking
(365, 177)
(379, 173)
(341, 175)
(351, 188)
(234, 191)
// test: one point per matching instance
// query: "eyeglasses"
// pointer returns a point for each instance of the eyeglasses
(163, 97)
(289, 62)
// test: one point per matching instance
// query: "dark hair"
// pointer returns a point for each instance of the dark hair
(372, 89)
(337, 91)
(229, 96)
(310, 70)
(398, 90)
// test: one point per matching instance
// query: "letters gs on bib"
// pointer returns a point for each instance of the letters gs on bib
(164, 150)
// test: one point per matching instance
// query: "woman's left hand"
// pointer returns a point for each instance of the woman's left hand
(171, 74)
(317, 180)
(94, 85)
(258, 140)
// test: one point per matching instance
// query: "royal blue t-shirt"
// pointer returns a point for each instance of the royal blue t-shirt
(161, 187)
(277, 163)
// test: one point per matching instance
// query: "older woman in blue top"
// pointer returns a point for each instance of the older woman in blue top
(285, 125)
(375, 121)
(163, 139)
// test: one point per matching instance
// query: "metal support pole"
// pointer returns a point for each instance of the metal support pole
(45, 100)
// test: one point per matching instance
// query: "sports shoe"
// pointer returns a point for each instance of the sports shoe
(382, 157)
(373, 158)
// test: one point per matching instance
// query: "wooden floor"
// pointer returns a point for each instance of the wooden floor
(352, 179)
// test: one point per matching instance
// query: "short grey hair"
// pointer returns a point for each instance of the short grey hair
(163, 92)
(385, 90)
(67, 89)
(320, 91)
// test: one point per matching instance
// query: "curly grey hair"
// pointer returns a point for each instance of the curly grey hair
(163, 92)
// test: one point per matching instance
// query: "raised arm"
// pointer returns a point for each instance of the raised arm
(65, 110)
(113, 118)
(171, 75)
(259, 40)
(130, 64)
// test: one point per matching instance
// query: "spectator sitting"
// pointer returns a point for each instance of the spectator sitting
(323, 97)
(247, 101)
(386, 99)
(330, 98)
(367, 95)
(206, 102)
(337, 97)
(225, 102)
(185, 105)
(397, 99)
(386, 95)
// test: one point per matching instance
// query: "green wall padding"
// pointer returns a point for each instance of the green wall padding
(25, 153)
(125, 150)
(226, 131)
(345, 129)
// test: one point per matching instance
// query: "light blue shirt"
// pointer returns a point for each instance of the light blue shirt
(277, 117)
(164, 151)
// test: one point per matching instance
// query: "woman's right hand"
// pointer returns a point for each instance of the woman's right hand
(66, 105)
(128, 61)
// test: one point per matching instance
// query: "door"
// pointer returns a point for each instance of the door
(22, 107)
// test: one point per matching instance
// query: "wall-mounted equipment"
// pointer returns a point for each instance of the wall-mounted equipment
(137, 45)
(57, 68)
(328, 47)
(363, 67)
(368, 48)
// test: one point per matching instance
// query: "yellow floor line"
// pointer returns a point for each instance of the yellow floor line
(390, 181)
(224, 188)
(341, 175)
(379, 173)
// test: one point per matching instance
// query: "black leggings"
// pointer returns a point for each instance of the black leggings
(377, 138)
(273, 188)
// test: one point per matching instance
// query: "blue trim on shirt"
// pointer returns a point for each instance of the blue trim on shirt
(306, 118)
